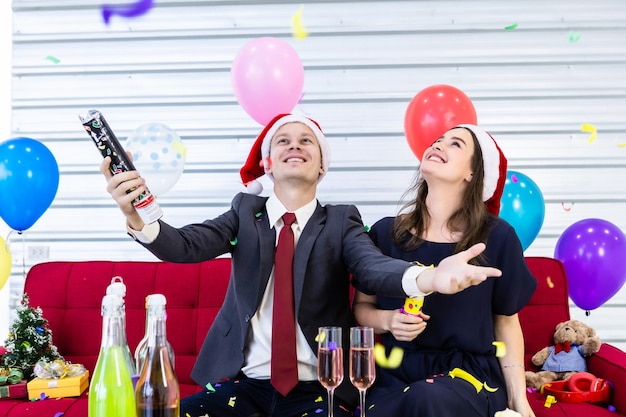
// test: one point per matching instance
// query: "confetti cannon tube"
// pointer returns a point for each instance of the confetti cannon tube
(100, 132)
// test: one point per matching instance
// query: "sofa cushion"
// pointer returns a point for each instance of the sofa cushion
(70, 294)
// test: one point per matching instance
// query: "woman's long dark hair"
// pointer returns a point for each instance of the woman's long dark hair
(470, 220)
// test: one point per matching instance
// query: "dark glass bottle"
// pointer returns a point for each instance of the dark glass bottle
(157, 393)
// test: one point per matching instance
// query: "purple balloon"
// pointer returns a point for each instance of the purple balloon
(593, 252)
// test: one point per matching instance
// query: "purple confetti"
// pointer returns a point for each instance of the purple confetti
(332, 345)
(126, 10)
(514, 178)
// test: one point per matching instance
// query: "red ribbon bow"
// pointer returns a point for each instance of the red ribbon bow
(565, 347)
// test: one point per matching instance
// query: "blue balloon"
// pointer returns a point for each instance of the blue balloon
(29, 179)
(522, 206)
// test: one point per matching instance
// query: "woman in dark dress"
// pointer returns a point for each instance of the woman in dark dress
(451, 365)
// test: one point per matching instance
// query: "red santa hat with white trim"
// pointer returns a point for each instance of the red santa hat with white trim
(495, 165)
(258, 162)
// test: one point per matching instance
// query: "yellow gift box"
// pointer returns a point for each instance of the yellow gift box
(69, 386)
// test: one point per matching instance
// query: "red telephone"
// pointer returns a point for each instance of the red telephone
(580, 387)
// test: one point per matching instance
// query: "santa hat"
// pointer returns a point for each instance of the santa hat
(258, 162)
(495, 165)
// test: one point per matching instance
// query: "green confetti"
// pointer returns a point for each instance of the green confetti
(53, 59)
(367, 228)
(511, 27)
(209, 387)
(574, 37)
(234, 241)
(259, 214)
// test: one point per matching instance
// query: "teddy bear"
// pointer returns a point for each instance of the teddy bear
(574, 341)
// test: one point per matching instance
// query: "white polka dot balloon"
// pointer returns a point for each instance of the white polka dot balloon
(158, 154)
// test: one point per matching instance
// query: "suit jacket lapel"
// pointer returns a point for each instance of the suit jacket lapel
(304, 247)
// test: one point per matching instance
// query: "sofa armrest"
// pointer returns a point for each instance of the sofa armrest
(609, 363)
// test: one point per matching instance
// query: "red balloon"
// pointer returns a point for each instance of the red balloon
(432, 112)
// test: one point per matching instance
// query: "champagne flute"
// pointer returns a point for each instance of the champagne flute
(329, 361)
(362, 365)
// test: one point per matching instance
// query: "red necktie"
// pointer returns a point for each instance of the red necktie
(284, 362)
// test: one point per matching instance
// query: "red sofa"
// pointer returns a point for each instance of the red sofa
(70, 294)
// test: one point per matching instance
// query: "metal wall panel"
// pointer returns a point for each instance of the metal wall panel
(532, 88)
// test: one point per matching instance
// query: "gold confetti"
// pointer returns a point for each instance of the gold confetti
(319, 399)
(231, 401)
(466, 376)
(488, 388)
(298, 29)
(549, 281)
(393, 361)
(549, 401)
(500, 349)
(320, 337)
(589, 128)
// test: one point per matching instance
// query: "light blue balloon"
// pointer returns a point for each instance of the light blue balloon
(522, 206)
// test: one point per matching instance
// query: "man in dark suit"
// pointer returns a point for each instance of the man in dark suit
(331, 244)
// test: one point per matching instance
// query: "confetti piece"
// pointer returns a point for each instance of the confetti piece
(320, 337)
(138, 8)
(233, 242)
(209, 387)
(231, 401)
(573, 37)
(565, 208)
(301, 97)
(488, 388)
(393, 361)
(297, 28)
(367, 228)
(549, 401)
(187, 415)
(332, 345)
(466, 376)
(430, 380)
(53, 59)
(406, 389)
(371, 406)
(514, 178)
(319, 399)
(259, 214)
(319, 410)
(621, 145)
(500, 349)
(550, 283)
(589, 128)
(59, 414)
(511, 27)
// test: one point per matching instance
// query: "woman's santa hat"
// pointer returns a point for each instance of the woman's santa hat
(495, 165)
(258, 162)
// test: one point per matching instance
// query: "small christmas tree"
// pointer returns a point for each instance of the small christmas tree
(29, 341)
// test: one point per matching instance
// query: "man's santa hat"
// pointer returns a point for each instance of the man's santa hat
(258, 162)
(495, 165)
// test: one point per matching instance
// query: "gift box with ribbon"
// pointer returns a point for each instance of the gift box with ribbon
(58, 379)
(12, 384)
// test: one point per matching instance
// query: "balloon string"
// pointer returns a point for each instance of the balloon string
(23, 254)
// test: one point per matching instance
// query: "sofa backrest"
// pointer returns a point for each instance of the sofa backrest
(70, 294)
(548, 306)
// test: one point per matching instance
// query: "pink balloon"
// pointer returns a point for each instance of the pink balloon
(267, 77)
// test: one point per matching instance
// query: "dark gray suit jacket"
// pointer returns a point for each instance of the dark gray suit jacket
(333, 245)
